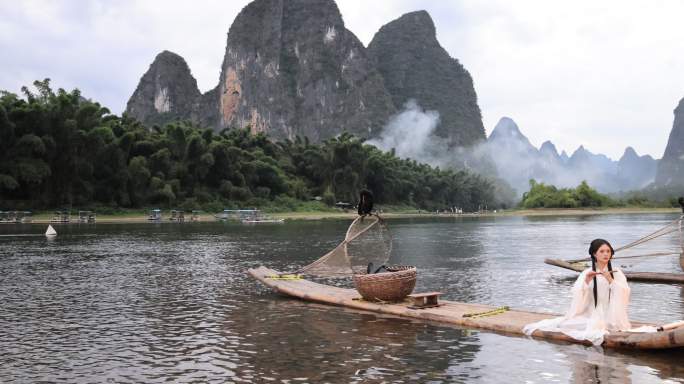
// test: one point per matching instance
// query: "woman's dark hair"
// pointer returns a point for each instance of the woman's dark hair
(593, 247)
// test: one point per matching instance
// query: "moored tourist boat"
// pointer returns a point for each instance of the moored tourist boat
(86, 216)
(234, 214)
(155, 215)
(257, 217)
(177, 216)
(61, 217)
(15, 217)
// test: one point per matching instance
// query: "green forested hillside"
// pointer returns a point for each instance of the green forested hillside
(59, 149)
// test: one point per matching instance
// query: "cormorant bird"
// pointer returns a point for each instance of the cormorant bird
(365, 202)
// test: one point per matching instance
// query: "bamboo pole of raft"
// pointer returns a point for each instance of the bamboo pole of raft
(669, 326)
(650, 277)
(630, 256)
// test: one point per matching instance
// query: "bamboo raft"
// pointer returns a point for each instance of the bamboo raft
(649, 277)
(450, 312)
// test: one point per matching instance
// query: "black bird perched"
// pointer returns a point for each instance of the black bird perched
(365, 202)
(681, 203)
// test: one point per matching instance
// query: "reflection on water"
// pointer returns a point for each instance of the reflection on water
(160, 302)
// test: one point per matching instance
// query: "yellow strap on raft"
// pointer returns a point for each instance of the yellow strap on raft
(492, 312)
(284, 277)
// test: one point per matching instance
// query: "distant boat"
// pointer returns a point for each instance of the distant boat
(86, 216)
(262, 220)
(61, 217)
(177, 216)
(246, 216)
(235, 214)
(15, 217)
(257, 217)
(155, 215)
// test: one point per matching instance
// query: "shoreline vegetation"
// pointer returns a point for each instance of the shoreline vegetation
(60, 150)
(131, 217)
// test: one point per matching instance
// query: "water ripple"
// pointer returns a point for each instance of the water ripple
(167, 302)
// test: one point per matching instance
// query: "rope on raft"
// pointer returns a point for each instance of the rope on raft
(661, 232)
(666, 230)
(492, 312)
(287, 276)
(629, 256)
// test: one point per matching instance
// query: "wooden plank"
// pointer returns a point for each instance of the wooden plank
(451, 312)
(425, 294)
(563, 264)
(425, 300)
(647, 277)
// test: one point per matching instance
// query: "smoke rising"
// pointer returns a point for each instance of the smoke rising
(508, 155)
(411, 134)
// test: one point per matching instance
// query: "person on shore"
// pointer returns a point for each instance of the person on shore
(600, 297)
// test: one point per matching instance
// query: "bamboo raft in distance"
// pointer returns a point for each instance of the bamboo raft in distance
(648, 277)
(451, 312)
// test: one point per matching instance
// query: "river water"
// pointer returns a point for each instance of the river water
(172, 303)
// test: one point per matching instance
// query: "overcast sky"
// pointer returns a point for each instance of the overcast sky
(605, 74)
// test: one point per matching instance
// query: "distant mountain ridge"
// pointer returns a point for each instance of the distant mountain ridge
(517, 161)
(291, 68)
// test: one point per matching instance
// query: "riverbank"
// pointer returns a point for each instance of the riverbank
(141, 217)
(510, 212)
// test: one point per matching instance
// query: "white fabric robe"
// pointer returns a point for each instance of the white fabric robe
(583, 321)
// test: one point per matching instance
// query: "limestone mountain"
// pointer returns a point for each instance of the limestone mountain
(167, 91)
(415, 66)
(507, 134)
(290, 68)
(549, 152)
(671, 166)
(564, 157)
(634, 171)
(583, 159)
(516, 159)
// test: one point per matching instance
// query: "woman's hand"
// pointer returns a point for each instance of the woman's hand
(606, 275)
(590, 275)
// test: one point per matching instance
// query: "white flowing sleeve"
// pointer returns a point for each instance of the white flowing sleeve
(616, 317)
(581, 294)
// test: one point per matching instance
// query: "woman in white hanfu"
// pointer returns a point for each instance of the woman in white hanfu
(599, 301)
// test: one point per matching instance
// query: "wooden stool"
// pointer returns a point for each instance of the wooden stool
(424, 300)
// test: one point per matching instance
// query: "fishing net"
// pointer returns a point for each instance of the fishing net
(368, 240)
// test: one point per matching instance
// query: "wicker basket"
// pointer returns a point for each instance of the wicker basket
(387, 286)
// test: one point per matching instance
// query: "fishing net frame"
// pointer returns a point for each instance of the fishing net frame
(367, 239)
